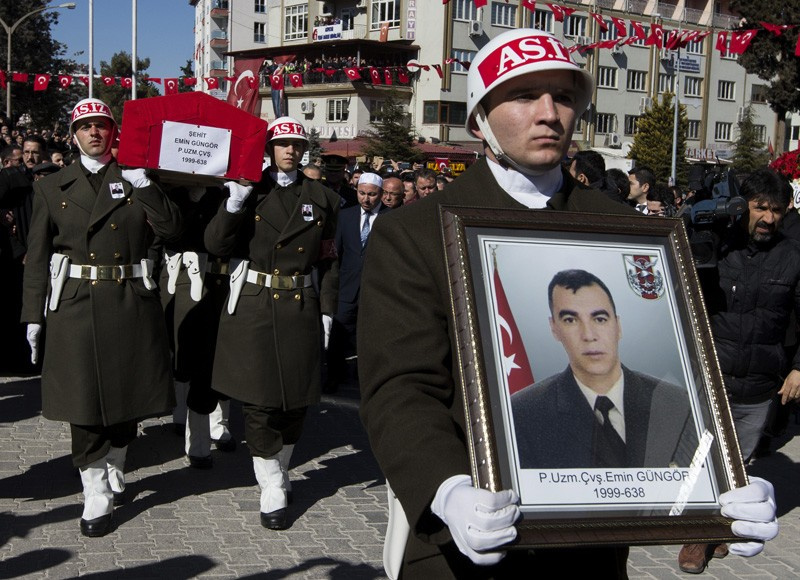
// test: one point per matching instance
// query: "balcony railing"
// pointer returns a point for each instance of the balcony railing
(219, 35)
(218, 65)
(327, 76)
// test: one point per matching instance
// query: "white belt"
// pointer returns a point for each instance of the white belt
(105, 272)
(278, 282)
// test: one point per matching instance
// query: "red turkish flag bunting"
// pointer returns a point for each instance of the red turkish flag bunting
(638, 31)
(84, 79)
(171, 86)
(529, 4)
(108, 81)
(478, 3)
(402, 75)
(722, 40)
(619, 23)
(797, 47)
(156, 80)
(189, 81)
(656, 36)
(777, 29)
(276, 82)
(559, 12)
(19, 77)
(352, 73)
(229, 79)
(741, 40)
(296, 79)
(514, 359)
(40, 82)
(126, 82)
(211, 82)
(438, 69)
(671, 40)
(2, 79)
(375, 74)
(387, 76)
(64, 81)
(599, 19)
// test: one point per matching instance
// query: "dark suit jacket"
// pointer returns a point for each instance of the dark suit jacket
(412, 404)
(350, 252)
(554, 423)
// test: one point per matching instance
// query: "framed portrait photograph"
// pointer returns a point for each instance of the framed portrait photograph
(589, 375)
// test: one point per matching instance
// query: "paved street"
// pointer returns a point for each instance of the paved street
(185, 523)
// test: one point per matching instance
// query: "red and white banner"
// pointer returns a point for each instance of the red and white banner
(243, 92)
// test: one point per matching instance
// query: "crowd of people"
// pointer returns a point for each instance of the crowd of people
(331, 68)
(134, 294)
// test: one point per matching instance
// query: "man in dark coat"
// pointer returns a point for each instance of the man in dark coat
(352, 236)
(108, 361)
(269, 346)
(524, 94)
(598, 413)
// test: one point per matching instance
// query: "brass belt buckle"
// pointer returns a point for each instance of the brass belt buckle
(108, 273)
(282, 283)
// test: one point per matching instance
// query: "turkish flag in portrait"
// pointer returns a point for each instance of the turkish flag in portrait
(296, 79)
(514, 358)
(170, 86)
(243, 92)
(108, 81)
(211, 82)
(276, 82)
(64, 81)
(402, 75)
(40, 82)
(352, 73)
(126, 82)
(375, 74)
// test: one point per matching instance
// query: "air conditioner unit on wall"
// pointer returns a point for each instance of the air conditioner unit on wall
(613, 140)
(307, 107)
(475, 28)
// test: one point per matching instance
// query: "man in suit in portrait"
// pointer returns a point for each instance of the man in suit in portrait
(352, 233)
(597, 412)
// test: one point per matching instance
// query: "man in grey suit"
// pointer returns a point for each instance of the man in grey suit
(598, 413)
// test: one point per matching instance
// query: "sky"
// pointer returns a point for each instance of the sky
(165, 32)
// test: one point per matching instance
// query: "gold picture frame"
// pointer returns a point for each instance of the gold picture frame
(680, 449)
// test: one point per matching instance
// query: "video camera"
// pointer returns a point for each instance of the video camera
(715, 209)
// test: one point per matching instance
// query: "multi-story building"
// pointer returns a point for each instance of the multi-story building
(385, 33)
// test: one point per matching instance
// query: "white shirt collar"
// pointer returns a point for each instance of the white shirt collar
(95, 164)
(284, 179)
(532, 191)
(617, 396)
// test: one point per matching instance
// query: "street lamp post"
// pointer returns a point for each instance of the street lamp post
(9, 31)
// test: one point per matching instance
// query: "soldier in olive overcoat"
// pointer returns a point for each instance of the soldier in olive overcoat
(269, 345)
(87, 280)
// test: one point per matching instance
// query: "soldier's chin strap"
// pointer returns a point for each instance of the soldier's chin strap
(500, 155)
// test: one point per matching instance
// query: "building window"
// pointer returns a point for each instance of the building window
(376, 110)
(758, 94)
(631, 124)
(722, 131)
(606, 123)
(348, 18)
(462, 56)
(338, 110)
(761, 133)
(693, 87)
(693, 131)
(296, 25)
(666, 83)
(260, 6)
(607, 77)
(385, 11)
(444, 112)
(637, 80)
(639, 41)
(610, 33)
(259, 32)
(464, 10)
(795, 133)
(695, 47)
(575, 26)
(578, 125)
(504, 14)
(542, 20)
(726, 90)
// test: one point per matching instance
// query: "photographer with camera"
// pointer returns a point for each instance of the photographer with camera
(749, 297)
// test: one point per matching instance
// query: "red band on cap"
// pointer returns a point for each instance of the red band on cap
(90, 109)
(519, 52)
(282, 129)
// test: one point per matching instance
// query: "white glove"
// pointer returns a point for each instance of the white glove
(34, 331)
(238, 194)
(136, 177)
(753, 508)
(327, 324)
(479, 520)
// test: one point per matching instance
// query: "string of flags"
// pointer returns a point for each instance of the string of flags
(727, 42)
